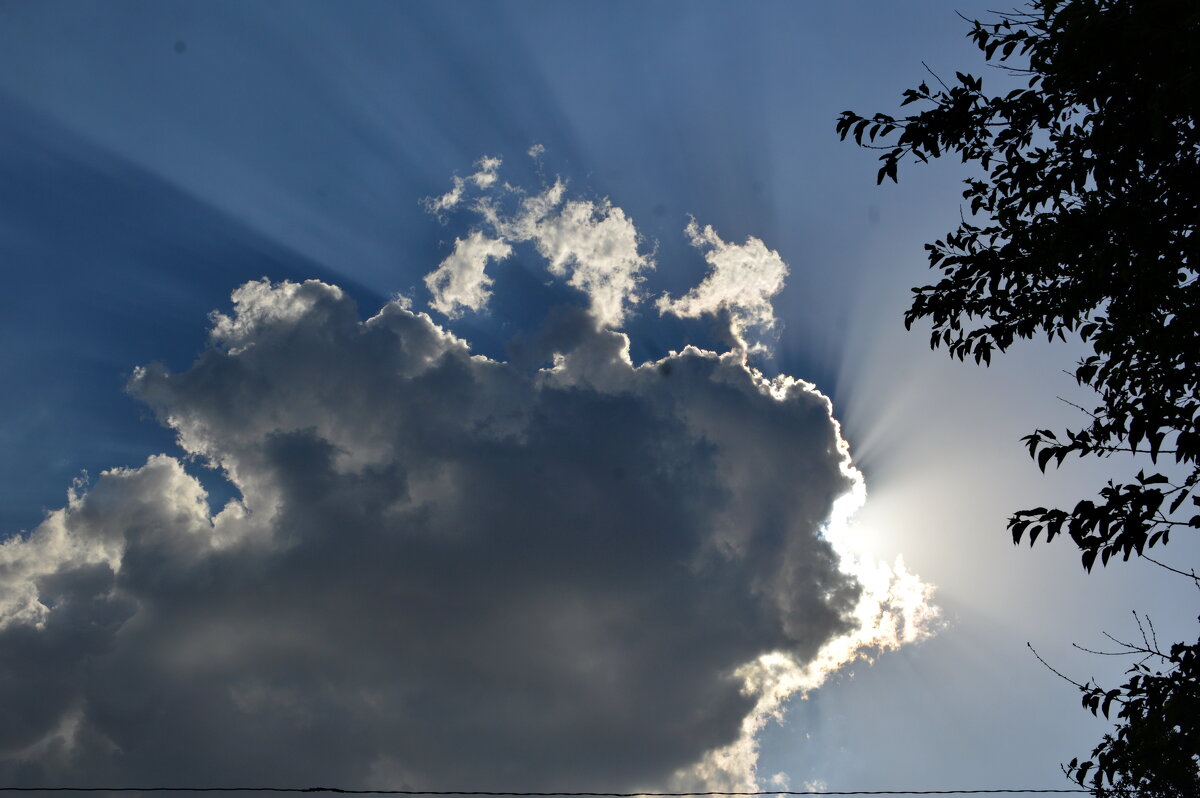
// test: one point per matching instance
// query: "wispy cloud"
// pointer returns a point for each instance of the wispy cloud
(483, 177)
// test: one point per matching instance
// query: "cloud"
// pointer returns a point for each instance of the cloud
(738, 288)
(460, 283)
(483, 177)
(443, 571)
(594, 246)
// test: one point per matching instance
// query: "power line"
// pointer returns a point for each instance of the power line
(501, 794)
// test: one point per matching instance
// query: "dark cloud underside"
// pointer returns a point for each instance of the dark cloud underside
(443, 571)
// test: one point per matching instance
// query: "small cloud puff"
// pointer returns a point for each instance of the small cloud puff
(742, 280)
(483, 177)
(460, 282)
(594, 246)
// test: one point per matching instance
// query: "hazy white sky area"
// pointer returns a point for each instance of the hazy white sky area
(473, 396)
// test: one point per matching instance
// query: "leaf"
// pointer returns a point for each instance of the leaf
(1108, 699)
(858, 130)
(1043, 457)
(1089, 559)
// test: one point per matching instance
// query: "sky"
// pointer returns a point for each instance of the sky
(512, 395)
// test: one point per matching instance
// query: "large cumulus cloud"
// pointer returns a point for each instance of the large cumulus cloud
(442, 571)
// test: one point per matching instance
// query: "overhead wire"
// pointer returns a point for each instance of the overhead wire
(512, 794)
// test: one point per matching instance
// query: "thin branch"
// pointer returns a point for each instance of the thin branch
(935, 75)
(1141, 629)
(1189, 574)
(1011, 69)
(1149, 652)
(1101, 653)
(1077, 407)
(1129, 449)
(1132, 648)
(1050, 668)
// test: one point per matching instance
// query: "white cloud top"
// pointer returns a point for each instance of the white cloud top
(739, 286)
(592, 245)
(460, 282)
(595, 247)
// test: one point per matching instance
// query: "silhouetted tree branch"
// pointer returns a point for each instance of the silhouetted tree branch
(1083, 223)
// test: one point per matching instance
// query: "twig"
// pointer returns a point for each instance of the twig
(1190, 575)
(1101, 653)
(1050, 668)
(935, 75)
(1077, 407)
(1142, 629)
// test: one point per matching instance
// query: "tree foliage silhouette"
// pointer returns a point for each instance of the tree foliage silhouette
(1084, 217)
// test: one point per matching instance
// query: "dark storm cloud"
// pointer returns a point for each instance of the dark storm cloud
(443, 570)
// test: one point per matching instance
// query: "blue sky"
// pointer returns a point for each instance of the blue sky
(155, 156)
